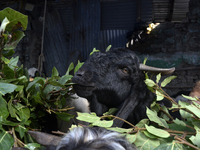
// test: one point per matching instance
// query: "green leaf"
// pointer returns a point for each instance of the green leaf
(146, 75)
(10, 123)
(131, 137)
(64, 79)
(149, 135)
(3, 108)
(8, 53)
(7, 88)
(18, 111)
(94, 50)
(144, 143)
(19, 88)
(159, 96)
(36, 80)
(111, 111)
(78, 66)
(120, 130)
(32, 146)
(145, 60)
(64, 116)
(21, 130)
(179, 122)
(3, 25)
(103, 123)
(5, 60)
(87, 117)
(176, 127)
(185, 114)
(56, 83)
(70, 68)
(157, 132)
(190, 98)
(54, 72)
(6, 140)
(108, 48)
(22, 111)
(8, 72)
(17, 19)
(142, 123)
(195, 139)
(158, 78)
(153, 117)
(13, 63)
(37, 98)
(171, 146)
(194, 109)
(16, 38)
(167, 80)
(150, 82)
(164, 115)
(12, 110)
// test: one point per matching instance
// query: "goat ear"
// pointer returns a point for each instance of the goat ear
(163, 71)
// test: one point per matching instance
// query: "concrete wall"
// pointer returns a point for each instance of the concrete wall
(175, 45)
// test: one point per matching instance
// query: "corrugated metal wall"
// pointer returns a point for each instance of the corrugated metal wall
(116, 38)
(55, 45)
(85, 26)
(65, 10)
(160, 10)
(118, 15)
(181, 7)
(146, 10)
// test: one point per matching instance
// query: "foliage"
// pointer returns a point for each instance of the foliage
(24, 103)
(160, 130)
(95, 50)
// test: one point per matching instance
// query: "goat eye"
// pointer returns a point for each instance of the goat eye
(125, 70)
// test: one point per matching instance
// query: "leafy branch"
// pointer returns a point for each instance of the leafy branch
(158, 131)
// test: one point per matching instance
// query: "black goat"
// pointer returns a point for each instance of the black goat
(115, 79)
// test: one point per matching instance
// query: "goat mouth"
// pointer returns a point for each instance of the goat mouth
(83, 90)
(83, 87)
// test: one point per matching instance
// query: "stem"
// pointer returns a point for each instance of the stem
(167, 114)
(66, 109)
(15, 137)
(115, 117)
(183, 141)
(180, 132)
(165, 94)
(1, 48)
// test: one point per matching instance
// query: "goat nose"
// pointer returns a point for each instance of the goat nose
(80, 73)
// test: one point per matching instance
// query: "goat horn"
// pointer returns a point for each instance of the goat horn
(163, 71)
(45, 138)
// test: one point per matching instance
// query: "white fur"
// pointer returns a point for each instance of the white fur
(31, 71)
(83, 138)
(81, 104)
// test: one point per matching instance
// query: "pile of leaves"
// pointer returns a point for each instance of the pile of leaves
(160, 131)
(24, 103)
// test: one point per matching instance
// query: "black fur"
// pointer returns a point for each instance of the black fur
(103, 82)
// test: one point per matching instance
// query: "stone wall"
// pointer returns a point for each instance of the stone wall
(175, 44)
